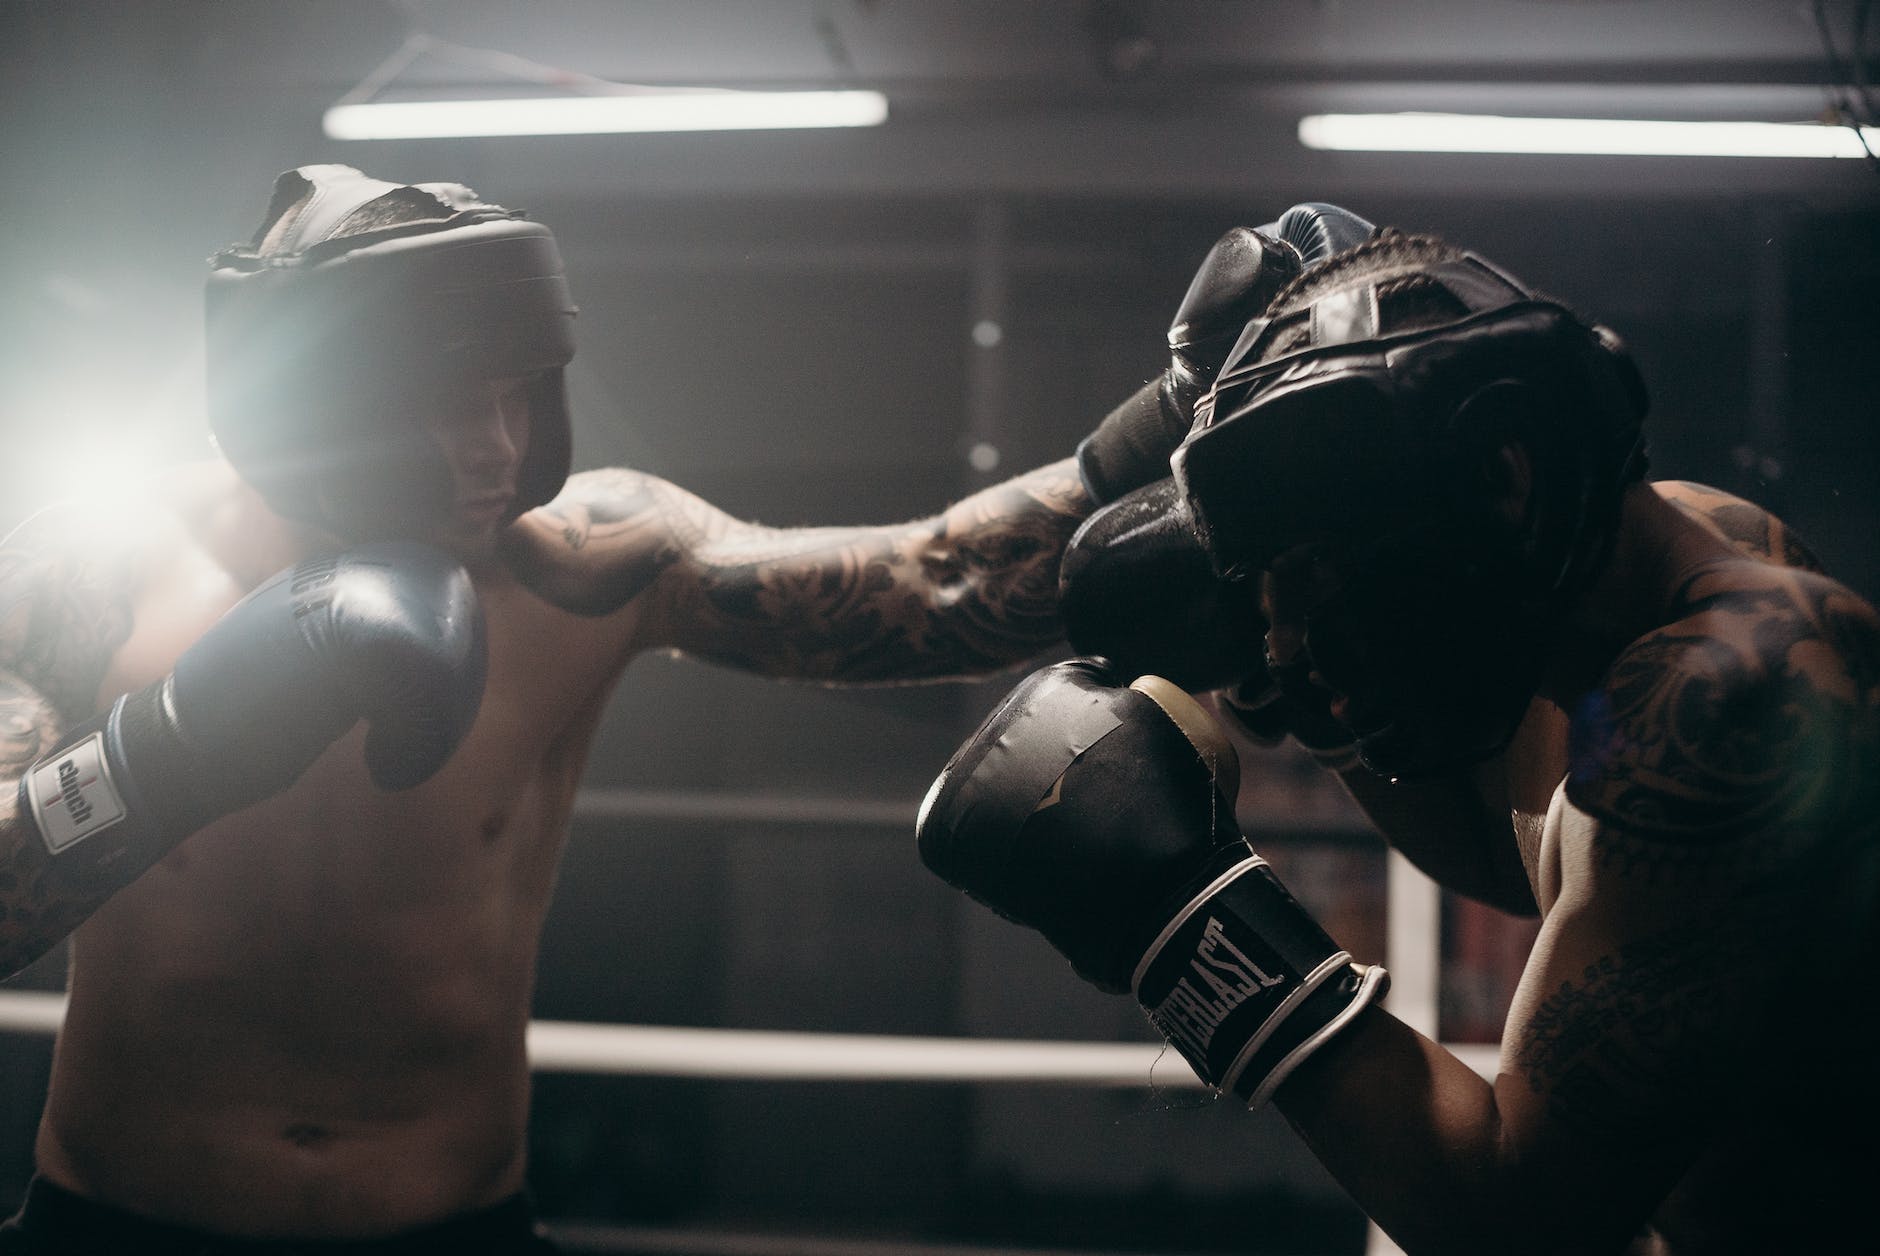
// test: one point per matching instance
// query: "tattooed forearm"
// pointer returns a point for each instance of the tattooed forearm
(39, 907)
(60, 624)
(62, 618)
(36, 909)
(28, 728)
(969, 591)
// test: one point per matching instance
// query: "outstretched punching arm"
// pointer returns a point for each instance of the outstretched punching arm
(967, 591)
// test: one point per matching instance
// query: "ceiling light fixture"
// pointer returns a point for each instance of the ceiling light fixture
(1470, 133)
(650, 110)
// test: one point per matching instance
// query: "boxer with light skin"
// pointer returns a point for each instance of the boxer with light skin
(1638, 709)
(306, 1020)
(296, 749)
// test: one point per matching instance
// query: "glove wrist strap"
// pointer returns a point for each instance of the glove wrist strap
(83, 803)
(1246, 985)
(1131, 446)
(99, 821)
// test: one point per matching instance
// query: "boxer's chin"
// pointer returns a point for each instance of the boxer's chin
(471, 542)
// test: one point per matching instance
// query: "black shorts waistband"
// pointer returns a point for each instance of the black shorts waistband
(72, 1223)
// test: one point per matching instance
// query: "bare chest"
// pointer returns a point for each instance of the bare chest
(468, 855)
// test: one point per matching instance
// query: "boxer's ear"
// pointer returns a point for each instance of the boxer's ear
(1494, 433)
(1509, 471)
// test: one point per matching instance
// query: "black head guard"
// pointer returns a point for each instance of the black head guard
(323, 336)
(1329, 432)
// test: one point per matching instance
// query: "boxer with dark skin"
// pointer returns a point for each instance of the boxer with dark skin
(298, 1013)
(1681, 1070)
(1684, 787)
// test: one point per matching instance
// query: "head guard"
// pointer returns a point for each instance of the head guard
(355, 304)
(1338, 430)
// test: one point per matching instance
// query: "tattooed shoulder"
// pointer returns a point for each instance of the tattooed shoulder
(1756, 716)
(66, 597)
(1745, 525)
(604, 539)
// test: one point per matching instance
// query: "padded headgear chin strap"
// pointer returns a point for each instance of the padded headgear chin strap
(1374, 444)
(321, 344)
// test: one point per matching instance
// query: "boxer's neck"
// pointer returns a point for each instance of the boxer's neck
(1637, 590)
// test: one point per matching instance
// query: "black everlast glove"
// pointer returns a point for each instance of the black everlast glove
(1137, 588)
(1103, 816)
(1236, 281)
(389, 632)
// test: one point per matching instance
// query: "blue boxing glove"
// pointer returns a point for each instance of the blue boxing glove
(1102, 815)
(1235, 282)
(389, 632)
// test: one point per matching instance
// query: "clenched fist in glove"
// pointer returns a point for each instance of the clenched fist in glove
(1101, 814)
(1236, 281)
(390, 633)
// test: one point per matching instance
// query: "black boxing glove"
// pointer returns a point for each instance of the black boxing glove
(1136, 587)
(1103, 817)
(389, 632)
(1237, 279)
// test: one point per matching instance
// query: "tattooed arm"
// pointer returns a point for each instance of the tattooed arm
(62, 616)
(967, 591)
(1716, 881)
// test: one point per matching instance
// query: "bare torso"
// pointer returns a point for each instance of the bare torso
(309, 1017)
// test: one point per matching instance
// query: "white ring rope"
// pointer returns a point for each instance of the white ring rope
(831, 811)
(769, 1055)
(772, 1055)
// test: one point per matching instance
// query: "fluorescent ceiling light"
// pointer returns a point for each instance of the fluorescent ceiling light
(1466, 133)
(579, 115)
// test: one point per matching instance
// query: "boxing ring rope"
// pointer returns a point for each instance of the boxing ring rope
(776, 1055)
(766, 1055)
(769, 1055)
(835, 811)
